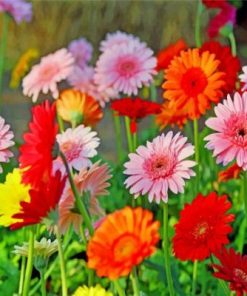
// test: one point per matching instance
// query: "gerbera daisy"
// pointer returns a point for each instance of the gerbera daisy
(45, 76)
(228, 64)
(125, 68)
(159, 166)
(165, 56)
(135, 109)
(77, 107)
(36, 153)
(232, 172)
(233, 269)
(77, 145)
(81, 50)
(124, 239)
(20, 10)
(6, 141)
(203, 227)
(243, 78)
(230, 140)
(214, 3)
(193, 81)
(92, 291)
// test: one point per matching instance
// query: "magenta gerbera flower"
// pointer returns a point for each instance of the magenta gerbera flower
(125, 68)
(6, 136)
(230, 140)
(45, 76)
(19, 9)
(159, 166)
(82, 51)
(243, 78)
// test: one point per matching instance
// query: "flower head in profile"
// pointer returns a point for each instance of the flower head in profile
(135, 109)
(159, 166)
(77, 107)
(193, 82)
(125, 68)
(230, 140)
(123, 240)
(232, 172)
(243, 78)
(92, 291)
(45, 76)
(81, 50)
(20, 10)
(6, 141)
(203, 227)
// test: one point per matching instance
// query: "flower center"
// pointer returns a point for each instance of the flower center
(125, 246)
(194, 81)
(200, 230)
(236, 129)
(240, 274)
(127, 68)
(71, 150)
(47, 72)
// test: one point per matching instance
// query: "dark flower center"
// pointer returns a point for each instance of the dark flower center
(240, 274)
(200, 230)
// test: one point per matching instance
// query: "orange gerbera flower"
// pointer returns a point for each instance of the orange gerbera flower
(193, 81)
(124, 239)
(77, 107)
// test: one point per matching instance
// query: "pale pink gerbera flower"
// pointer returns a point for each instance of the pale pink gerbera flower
(159, 166)
(125, 68)
(93, 181)
(77, 145)
(82, 51)
(6, 136)
(45, 76)
(230, 140)
(243, 78)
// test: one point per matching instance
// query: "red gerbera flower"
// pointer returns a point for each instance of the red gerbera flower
(36, 153)
(135, 109)
(42, 201)
(213, 3)
(228, 63)
(203, 227)
(233, 269)
(232, 172)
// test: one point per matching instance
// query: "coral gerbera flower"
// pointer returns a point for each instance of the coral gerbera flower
(77, 107)
(228, 64)
(123, 240)
(159, 166)
(233, 269)
(81, 50)
(36, 153)
(193, 81)
(233, 172)
(6, 141)
(45, 76)
(243, 78)
(19, 9)
(92, 291)
(203, 227)
(135, 109)
(230, 140)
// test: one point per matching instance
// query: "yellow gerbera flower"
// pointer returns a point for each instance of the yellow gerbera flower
(92, 291)
(12, 193)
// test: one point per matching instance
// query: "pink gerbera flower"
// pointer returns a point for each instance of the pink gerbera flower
(82, 51)
(125, 68)
(243, 78)
(230, 140)
(159, 166)
(19, 9)
(44, 77)
(6, 136)
(78, 145)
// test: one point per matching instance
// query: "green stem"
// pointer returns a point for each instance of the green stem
(197, 156)
(3, 43)
(117, 124)
(23, 266)
(194, 277)
(233, 44)
(118, 288)
(153, 92)
(244, 191)
(134, 142)
(62, 264)
(60, 123)
(128, 133)
(198, 40)
(134, 280)
(43, 283)
(222, 283)
(166, 250)
(29, 267)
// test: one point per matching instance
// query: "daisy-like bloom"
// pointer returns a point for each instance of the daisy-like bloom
(12, 192)
(193, 81)
(243, 78)
(43, 201)
(230, 140)
(36, 152)
(159, 166)
(233, 172)
(93, 181)
(45, 76)
(203, 227)
(135, 109)
(165, 56)
(125, 68)
(77, 145)
(20, 10)
(92, 291)
(6, 141)
(233, 269)
(81, 50)
(228, 64)
(124, 239)
(77, 107)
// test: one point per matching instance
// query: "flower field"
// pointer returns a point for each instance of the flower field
(162, 211)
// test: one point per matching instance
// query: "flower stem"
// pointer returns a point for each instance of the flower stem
(194, 277)
(128, 133)
(62, 263)
(118, 288)
(197, 155)
(233, 44)
(244, 191)
(198, 24)
(134, 280)
(117, 124)
(23, 266)
(43, 283)
(29, 267)
(153, 92)
(166, 250)
(60, 123)
(134, 142)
